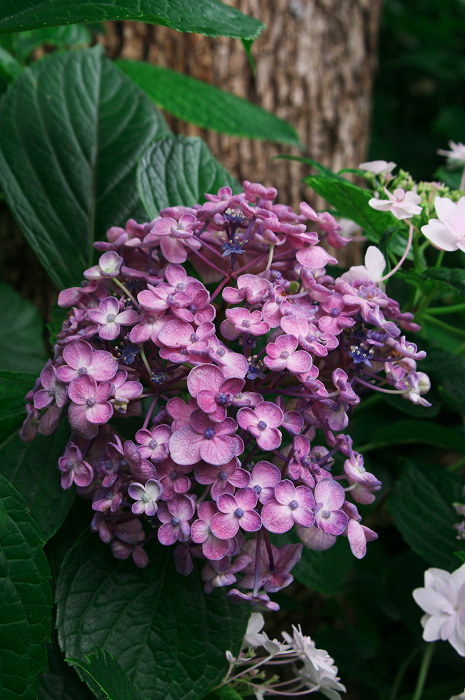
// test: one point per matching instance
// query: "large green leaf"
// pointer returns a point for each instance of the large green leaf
(421, 507)
(416, 431)
(179, 170)
(60, 681)
(26, 598)
(32, 469)
(104, 673)
(325, 571)
(71, 130)
(351, 202)
(452, 279)
(22, 44)
(22, 347)
(207, 106)
(209, 17)
(13, 388)
(9, 66)
(166, 634)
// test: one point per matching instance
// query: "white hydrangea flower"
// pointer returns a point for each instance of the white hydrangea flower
(373, 269)
(377, 167)
(457, 152)
(443, 600)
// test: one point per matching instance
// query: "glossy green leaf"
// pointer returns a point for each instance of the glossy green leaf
(224, 693)
(165, 633)
(26, 598)
(22, 347)
(421, 507)
(60, 681)
(23, 44)
(209, 17)
(179, 170)
(416, 431)
(105, 674)
(72, 128)
(10, 68)
(326, 571)
(207, 106)
(13, 388)
(452, 279)
(351, 202)
(32, 468)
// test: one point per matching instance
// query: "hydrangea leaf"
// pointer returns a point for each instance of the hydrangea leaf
(447, 372)
(421, 507)
(179, 170)
(451, 279)
(23, 44)
(206, 105)
(26, 598)
(10, 68)
(32, 469)
(416, 431)
(326, 571)
(209, 17)
(103, 673)
(165, 633)
(351, 202)
(13, 388)
(60, 681)
(22, 348)
(72, 128)
(224, 693)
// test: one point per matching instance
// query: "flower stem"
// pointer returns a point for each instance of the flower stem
(445, 326)
(424, 668)
(406, 252)
(438, 310)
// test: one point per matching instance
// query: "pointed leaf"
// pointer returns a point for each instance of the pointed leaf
(23, 44)
(9, 66)
(60, 681)
(209, 17)
(26, 598)
(104, 673)
(22, 348)
(166, 634)
(325, 571)
(421, 507)
(71, 130)
(179, 170)
(416, 431)
(452, 279)
(206, 105)
(32, 468)
(351, 202)
(13, 388)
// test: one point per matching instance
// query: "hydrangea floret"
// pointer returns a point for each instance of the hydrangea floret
(220, 329)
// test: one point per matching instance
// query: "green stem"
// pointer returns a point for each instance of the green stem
(439, 259)
(460, 349)
(424, 668)
(401, 673)
(125, 290)
(438, 310)
(456, 465)
(445, 326)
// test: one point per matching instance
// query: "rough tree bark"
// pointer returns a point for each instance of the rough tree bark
(315, 63)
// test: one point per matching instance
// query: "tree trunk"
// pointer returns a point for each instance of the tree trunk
(315, 63)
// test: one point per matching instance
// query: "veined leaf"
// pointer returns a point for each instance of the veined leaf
(71, 130)
(206, 105)
(103, 672)
(179, 170)
(209, 17)
(26, 598)
(165, 633)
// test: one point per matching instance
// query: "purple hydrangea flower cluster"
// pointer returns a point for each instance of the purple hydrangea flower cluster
(220, 327)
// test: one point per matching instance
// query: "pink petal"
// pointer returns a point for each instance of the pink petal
(185, 445)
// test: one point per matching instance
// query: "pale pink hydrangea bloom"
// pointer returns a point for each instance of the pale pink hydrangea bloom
(448, 231)
(402, 204)
(443, 600)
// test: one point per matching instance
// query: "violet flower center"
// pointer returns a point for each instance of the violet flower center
(153, 444)
(209, 433)
(90, 402)
(293, 505)
(261, 425)
(111, 318)
(238, 512)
